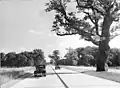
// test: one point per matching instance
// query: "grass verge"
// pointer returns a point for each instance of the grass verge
(106, 75)
(118, 67)
(9, 74)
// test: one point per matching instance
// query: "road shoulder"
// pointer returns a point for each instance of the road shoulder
(10, 84)
(110, 75)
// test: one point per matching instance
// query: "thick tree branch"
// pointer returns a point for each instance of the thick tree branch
(94, 41)
(97, 27)
(89, 17)
(91, 39)
(89, 7)
(88, 37)
(63, 11)
(72, 23)
(63, 34)
(95, 21)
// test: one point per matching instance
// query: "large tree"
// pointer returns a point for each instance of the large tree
(92, 20)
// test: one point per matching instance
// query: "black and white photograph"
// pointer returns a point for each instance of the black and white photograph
(59, 43)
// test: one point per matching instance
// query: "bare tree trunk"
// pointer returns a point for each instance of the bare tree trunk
(104, 44)
(102, 57)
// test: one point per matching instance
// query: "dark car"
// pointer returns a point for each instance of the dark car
(57, 67)
(40, 71)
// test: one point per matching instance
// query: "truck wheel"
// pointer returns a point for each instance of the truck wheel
(35, 72)
(35, 75)
(44, 74)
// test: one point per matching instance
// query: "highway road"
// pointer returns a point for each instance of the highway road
(50, 81)
(64, 78)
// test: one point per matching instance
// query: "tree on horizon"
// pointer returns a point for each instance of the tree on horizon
(55, 56)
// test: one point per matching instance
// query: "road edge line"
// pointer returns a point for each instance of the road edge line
(66, 86)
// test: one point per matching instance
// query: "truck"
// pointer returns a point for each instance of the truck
(40, 65)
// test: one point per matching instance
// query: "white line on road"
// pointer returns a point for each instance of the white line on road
(66, 86)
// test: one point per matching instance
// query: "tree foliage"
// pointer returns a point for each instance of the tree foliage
(2, 58)
(114, 57)
(91, 19)
(25, 58)
(90, 26)
(55, 56)
(87, 56)
(71, 54)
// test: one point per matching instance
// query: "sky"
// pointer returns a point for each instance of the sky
(24, 26)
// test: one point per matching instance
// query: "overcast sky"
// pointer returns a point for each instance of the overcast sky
(24, 25)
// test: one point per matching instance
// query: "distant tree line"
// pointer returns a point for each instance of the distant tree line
(88, 56)
(26, 58)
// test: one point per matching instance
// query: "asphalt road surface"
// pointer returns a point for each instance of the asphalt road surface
(64, 78)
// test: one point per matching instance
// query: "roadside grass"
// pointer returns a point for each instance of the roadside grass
(118, 67)
(9, 74)
(106, 75)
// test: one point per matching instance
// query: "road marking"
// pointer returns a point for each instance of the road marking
(60, 79)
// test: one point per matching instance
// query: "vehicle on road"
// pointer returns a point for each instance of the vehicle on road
(40, 65)
(57, 67)
(40, 71)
